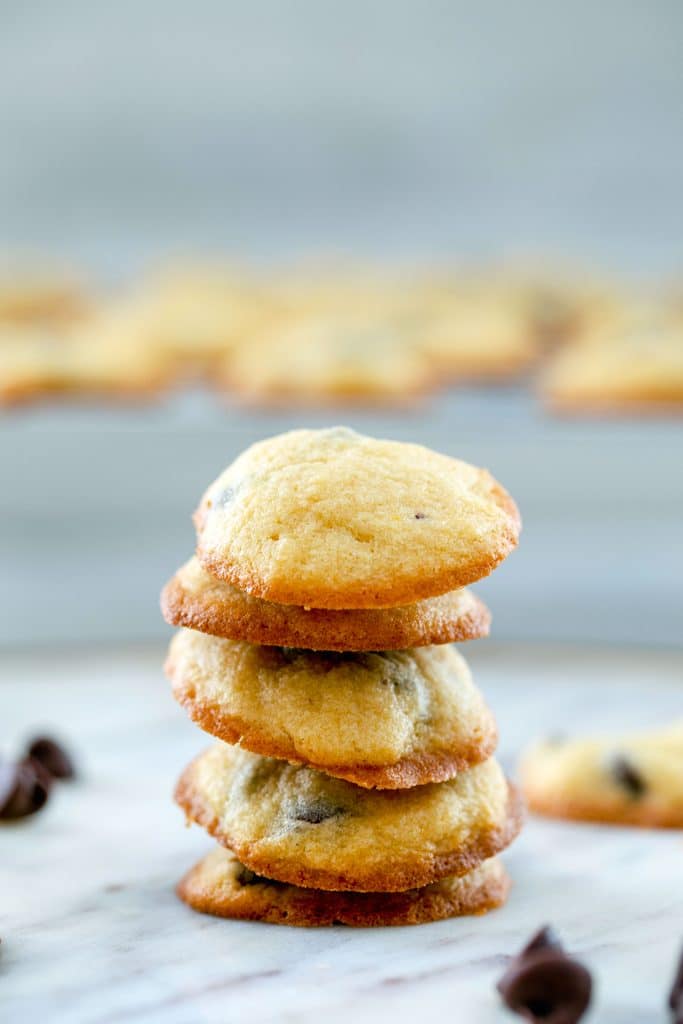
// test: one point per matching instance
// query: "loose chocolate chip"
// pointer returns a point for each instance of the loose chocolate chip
(543, 984)
(544, 938)
(627, 776)
(676, 995)
(24, 788)
(52, 756)
(420, 515)
(316, 811)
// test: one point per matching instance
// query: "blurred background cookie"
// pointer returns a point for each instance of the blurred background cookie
(346, 357)
(631, 362)
(31, 293)
(633, 779)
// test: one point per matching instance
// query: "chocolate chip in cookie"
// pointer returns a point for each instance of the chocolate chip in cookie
(626, 775)
(246, 877)
(316, 811)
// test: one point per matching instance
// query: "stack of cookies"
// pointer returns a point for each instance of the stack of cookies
(353, 781)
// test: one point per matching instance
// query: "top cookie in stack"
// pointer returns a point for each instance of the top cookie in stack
(329, 567)
(332, 519)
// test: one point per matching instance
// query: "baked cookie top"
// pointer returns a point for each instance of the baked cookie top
(634, 779)
(391, 719)
(299, 826)
(40, 295)
(334, 519)
(478, 335)
(196, 599)
(220, 885)
(199, 314)
(320, 358)
(636, 363)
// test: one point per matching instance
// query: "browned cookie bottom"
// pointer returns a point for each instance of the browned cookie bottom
(220, 885)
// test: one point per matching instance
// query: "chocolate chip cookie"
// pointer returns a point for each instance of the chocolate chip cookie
(221, 886)
(299, 826)
(635, 779)
(333, 519)
(326, 358)
(390, 719)
(196, 599)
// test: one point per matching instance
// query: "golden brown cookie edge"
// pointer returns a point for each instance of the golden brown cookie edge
(426, 869)
(287, 904)
(603, 812)
(364, 595)
(257, 621)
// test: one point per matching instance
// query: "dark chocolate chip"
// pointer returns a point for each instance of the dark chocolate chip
(52, 756)
(420, 515)
(257, 775)
(315, 811)
(546, 985)
(676, 994)
(543, 984)
(24, 788)
(624, 772)
(246, 877)
(545, 938)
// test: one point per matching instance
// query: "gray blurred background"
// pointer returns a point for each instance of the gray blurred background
(413, 132)
(405, 128)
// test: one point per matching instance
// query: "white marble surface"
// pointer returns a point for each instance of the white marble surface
(91, 930)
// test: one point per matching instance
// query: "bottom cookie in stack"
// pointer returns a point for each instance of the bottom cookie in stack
(379, 857)
(220, 885)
